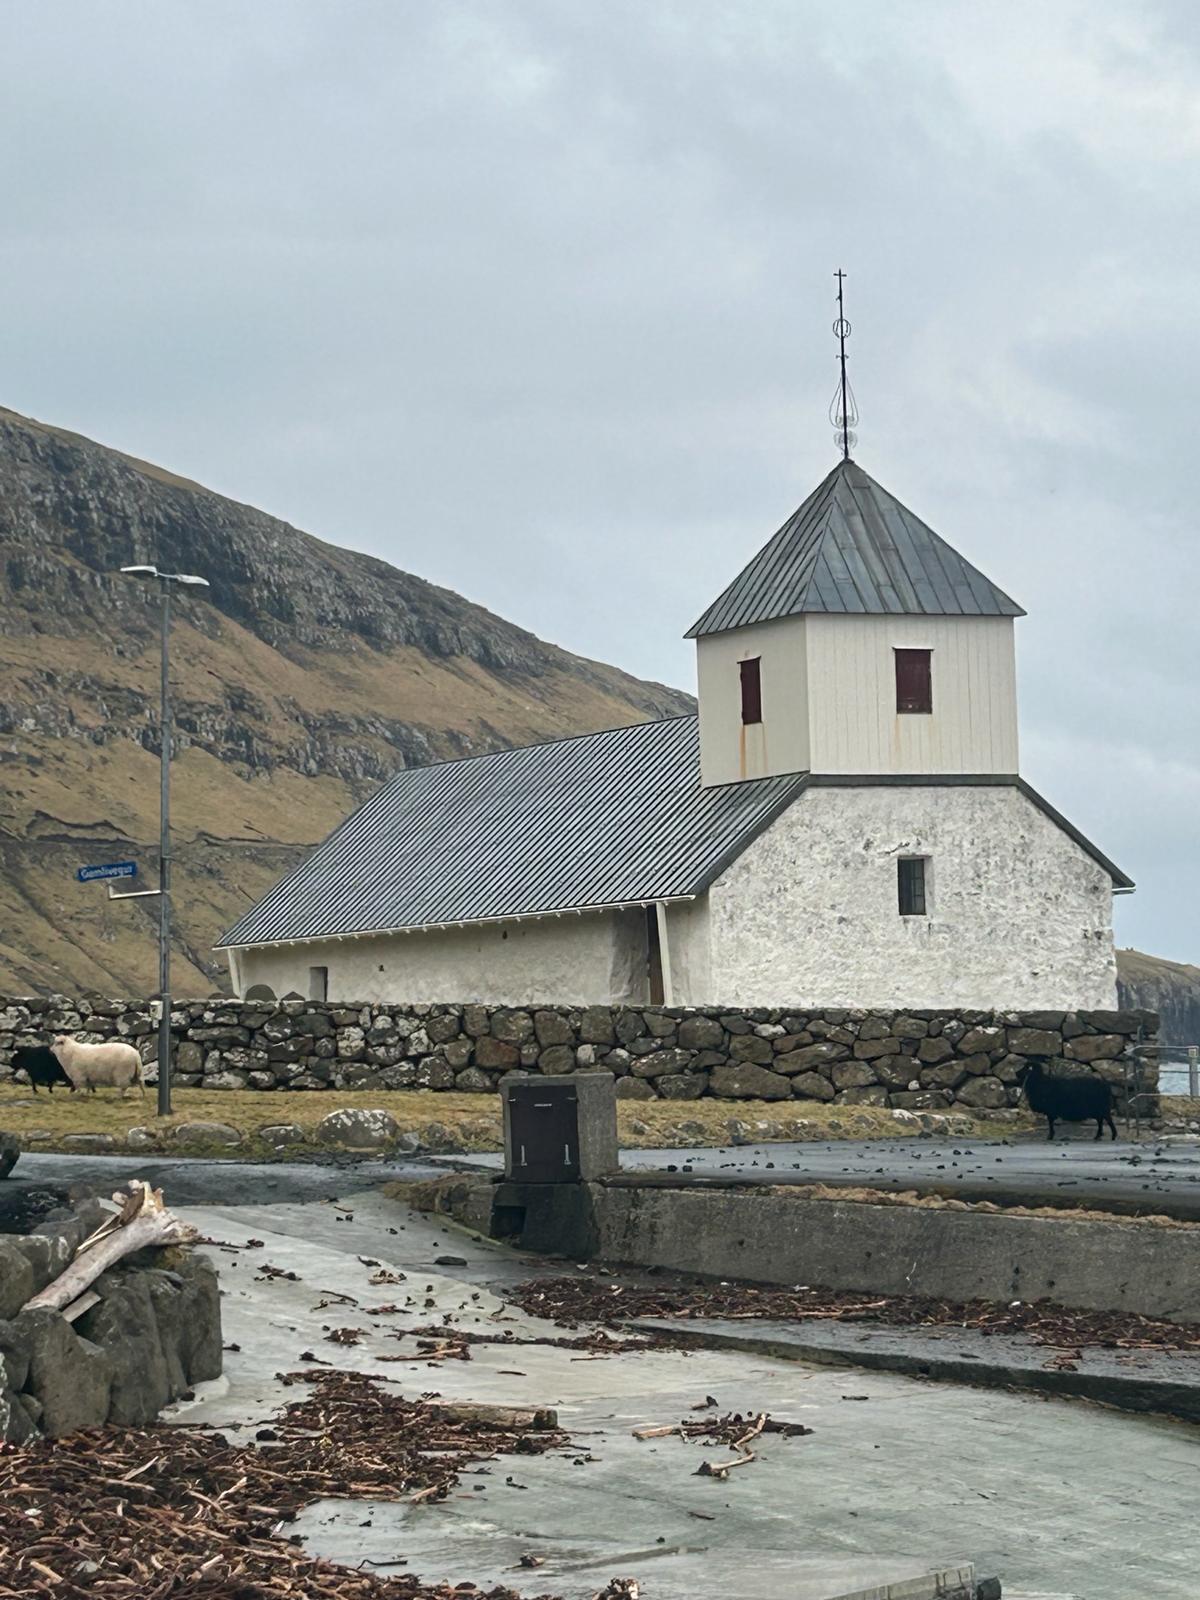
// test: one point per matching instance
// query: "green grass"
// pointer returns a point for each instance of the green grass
(44, 1121)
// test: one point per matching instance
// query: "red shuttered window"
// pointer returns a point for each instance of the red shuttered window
(914, 680)
(751, 690)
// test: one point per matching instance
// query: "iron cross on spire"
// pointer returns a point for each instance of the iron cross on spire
(843, 412)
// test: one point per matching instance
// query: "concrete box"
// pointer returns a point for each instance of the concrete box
(560, 1129)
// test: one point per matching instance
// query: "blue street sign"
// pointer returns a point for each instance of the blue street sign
(113, 869)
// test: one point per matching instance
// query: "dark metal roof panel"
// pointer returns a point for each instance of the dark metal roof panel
(604, 819)
(853, 548)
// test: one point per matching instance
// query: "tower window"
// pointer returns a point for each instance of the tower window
(914, 680)
(910, 880)
(318, 983)
(751, 690)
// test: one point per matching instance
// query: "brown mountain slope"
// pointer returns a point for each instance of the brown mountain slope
(302, 679)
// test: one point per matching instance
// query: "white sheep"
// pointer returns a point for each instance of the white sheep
(113, 1065)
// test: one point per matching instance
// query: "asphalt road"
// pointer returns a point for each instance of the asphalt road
(1126, 1177)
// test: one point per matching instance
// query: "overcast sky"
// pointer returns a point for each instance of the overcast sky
(533, 298)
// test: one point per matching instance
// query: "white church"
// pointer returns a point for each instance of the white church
(843, 823)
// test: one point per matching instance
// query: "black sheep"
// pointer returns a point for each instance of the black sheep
(1069, 1099)
(41, 1065)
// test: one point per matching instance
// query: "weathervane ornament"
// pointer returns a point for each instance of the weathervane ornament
(843, 410)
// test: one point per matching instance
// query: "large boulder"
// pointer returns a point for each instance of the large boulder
(70, 1376)
(126, 1329)
(10, 1149)
(355, 1129)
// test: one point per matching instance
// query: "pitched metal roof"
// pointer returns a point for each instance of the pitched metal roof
(852, 547)
(605, 819)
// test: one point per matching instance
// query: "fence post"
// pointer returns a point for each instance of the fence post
(1194, 1071)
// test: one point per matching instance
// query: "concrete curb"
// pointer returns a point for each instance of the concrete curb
(1154, 1393)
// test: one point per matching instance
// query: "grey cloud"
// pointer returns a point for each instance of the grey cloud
(534, 299)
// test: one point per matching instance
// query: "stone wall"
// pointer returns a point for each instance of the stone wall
(918, 1060)
(154, 1332)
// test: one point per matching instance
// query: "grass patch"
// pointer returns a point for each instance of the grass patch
(468, 1122)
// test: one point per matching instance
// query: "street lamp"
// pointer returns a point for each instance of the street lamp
(165, 579)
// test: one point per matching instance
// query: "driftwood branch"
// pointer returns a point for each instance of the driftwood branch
(142, 1220)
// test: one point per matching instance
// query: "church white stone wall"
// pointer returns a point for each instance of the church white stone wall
(569, 960)
(1019, 915)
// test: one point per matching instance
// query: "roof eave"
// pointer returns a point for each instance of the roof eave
(461, 922)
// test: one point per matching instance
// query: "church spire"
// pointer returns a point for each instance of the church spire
(843, 411)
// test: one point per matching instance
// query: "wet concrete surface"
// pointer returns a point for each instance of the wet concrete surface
(1064, 1500)
(1161, 1382)
(1161, 1177)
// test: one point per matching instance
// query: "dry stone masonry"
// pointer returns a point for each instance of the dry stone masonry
(154, 1331)
(911, 1060)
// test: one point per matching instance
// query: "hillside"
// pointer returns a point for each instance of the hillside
(305, 676)
(1172, 988)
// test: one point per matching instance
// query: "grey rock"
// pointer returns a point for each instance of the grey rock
(356, 1129)
(472, 1080)
(852, 1074)
(83, 1142)
(931, 1051)
(206, 1133)
(69, 1375)
(661, 1063)
(748, 1081)
(659, 1026)
(441, 1029)
(633, 1089)
(513, 1027)
(1094, 1047)
(682, 1085)
(983, 1093)
(864, 1095)
(558, 1058)
(873, 1028)
(47, 1255)
(459, 1053)
(981, 1039)
(126, 1329)
(10, 1149)
(812, 1086)
(475, 1021)
(701, 1033)
(870, 1049)
(1034, 1042)
(551, 1027)
(282, 1133)
(201, 1351)
(749, 1047)
(596, 1026)
(496, 1053)
(141, 1138)
(14, 1354)
(811, 1058)
(226, 1080)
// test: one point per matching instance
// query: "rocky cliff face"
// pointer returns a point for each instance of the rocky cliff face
(302, 678)
(1172, 988)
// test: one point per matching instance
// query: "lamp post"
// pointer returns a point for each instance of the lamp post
(164, 580)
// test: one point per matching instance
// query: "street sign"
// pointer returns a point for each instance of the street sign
(112, 869)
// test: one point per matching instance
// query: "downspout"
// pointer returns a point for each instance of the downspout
(664, 953)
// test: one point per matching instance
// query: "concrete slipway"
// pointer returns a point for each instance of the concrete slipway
(900, 1487)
